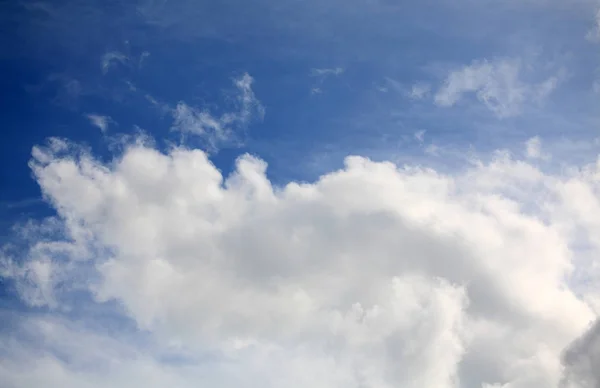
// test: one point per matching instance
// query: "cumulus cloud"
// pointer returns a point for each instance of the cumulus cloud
(497, 84)
(99, 121)
(223, 129)
(373, 275)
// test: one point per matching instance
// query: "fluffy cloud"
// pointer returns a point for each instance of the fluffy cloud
(374, 275)
(223, 129)
(497, 84)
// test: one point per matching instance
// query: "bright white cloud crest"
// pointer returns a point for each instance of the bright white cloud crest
(372, 276)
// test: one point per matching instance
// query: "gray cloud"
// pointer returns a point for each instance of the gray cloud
(581, 360)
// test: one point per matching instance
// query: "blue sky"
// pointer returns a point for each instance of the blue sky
(157, 152)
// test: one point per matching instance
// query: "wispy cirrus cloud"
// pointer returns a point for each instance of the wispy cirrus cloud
(227, 128)
(594, 33)
(498, 84)
(99, 121)
(112, 58)
(416, 91)
(419, 91)
(321, 76)
(326, 72)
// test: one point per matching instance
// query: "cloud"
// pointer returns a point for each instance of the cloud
(326, 72)
(321, 76)
(99, 121)
(497, 84)
(372, 275)
(581, 360)
(223, 129)
(533, 149)
(419, 91)
(593, 34)
(542, 90)
(143, 56)
(420, 135)
(112, 58)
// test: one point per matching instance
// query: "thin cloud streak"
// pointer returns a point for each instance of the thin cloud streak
(226, 129)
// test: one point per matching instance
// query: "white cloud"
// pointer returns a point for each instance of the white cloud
(594, 33)
(36, 283)
(497, 84)
(419, 91)
(226, 128)
(420, 135)
(326, 72)
(544, 89)
(111, 58)
(143, 56)
(99, 121)
(373, 275)
(114, 58)
(534, 146)
(321, 75)
(533, 149)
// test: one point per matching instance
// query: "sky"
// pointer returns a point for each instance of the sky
(367, 193)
